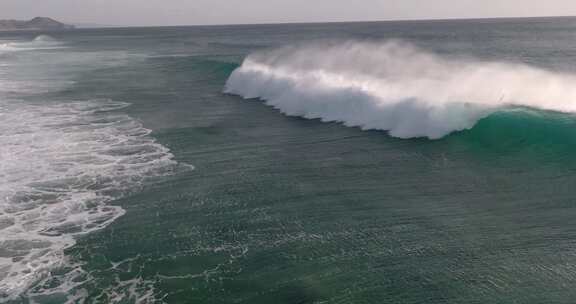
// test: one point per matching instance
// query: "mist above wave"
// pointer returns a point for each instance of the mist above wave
(395, 86)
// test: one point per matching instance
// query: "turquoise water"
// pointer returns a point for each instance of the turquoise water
(121, 151)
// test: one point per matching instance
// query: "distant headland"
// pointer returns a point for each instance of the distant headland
(38, 23)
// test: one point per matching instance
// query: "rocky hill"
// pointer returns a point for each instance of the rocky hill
(38, 23)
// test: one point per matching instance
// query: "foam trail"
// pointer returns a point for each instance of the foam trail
(396, 87)
(61, 164)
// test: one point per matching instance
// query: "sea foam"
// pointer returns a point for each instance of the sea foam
(61, 162)
(60, 165)
(395, 86)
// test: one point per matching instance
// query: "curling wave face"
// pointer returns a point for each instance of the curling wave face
(396, 87)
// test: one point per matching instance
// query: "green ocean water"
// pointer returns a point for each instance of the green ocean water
(283, 209)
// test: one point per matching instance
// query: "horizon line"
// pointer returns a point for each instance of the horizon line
(326, 22)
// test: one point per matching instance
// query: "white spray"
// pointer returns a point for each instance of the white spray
(396, 87)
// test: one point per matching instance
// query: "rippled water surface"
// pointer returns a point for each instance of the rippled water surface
(128, 175)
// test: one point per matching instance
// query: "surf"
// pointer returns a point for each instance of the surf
(62, 161)
(396, 87)
(40, 42)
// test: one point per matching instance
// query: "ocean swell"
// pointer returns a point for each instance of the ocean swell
(395, 86)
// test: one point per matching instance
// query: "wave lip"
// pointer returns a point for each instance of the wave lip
(395, 87)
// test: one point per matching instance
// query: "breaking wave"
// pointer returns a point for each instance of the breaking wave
(395, 87)
(40, 42)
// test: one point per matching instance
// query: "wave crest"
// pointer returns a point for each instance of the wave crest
(395, 86)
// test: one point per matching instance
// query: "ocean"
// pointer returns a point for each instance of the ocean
(381, 162)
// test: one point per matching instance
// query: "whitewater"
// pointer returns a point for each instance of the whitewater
(62, 161)
(395, 86)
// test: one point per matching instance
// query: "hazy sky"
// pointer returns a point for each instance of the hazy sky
(181, 12)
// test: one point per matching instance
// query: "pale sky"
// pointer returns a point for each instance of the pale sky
(185, 12)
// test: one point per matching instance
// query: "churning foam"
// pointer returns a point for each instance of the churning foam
(61, 162)
(60, 165)
(396, 87)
